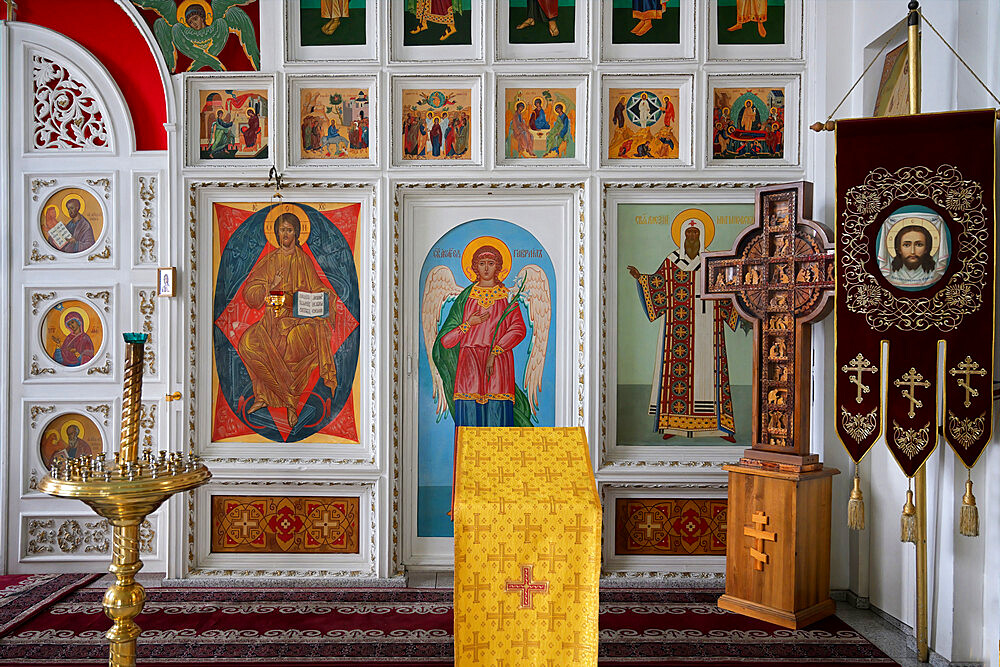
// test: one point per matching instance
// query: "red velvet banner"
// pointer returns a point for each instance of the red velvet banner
(915, 266)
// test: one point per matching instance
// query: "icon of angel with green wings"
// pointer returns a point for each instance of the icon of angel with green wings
(199, 29)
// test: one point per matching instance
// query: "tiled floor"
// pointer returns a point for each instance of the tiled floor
(873, 627)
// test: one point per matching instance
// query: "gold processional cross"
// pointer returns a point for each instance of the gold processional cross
(967, 369)
(780, 277)
(910, 381)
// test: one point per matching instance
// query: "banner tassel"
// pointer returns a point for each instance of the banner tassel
(968, 524)
(856, 505)
(908, 521)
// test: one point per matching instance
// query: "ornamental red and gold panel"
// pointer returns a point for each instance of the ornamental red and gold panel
(670, 526)
(285, 524)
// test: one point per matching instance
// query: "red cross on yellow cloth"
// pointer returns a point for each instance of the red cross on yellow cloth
(527, 547)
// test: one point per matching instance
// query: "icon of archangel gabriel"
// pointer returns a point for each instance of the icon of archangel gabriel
(200, 29)
(471, 352)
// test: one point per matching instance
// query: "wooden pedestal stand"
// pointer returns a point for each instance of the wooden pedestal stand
(780, 277)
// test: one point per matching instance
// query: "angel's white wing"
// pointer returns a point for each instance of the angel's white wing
(439, 286)
(536, 295)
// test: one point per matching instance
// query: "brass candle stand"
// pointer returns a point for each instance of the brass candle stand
(125, 494)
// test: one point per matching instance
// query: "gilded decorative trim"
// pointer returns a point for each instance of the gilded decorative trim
(911, 441)
(858, 426)
(397, 565)
(39, 297)
(36, 256)
(147, 422)
(147, 308)
(38, 183)
(961, 296)
(39, 410)
(103, 295)
(965, 431)
(104, 254)
(104, 409)
(101, 183)
(39, 370)
(33, 480)
(76, 536)
(147, 244)
(101, 370)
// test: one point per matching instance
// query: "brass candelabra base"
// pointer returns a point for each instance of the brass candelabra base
(125, 497)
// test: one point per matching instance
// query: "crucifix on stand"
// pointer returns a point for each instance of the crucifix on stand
(779, 276)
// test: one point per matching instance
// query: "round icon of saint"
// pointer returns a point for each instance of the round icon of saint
(913, 248)
(69, 436)
(72, 220)
(72, 333)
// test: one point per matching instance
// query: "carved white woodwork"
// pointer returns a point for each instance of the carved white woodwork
(66, 113)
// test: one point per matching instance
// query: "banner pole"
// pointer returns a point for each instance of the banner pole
(920, 479)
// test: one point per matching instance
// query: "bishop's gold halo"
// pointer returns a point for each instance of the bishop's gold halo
(182, 10)
(295, 210)
(65, 428)
(475, 245)
(696, 214)
(62, 203)
(81, 312)
(890, 238)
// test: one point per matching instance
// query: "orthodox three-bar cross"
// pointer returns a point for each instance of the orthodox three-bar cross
(780, 277)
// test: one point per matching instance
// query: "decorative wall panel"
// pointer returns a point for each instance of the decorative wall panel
(670, 526)
(285, 524)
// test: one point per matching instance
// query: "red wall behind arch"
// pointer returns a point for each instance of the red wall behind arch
(104, 29)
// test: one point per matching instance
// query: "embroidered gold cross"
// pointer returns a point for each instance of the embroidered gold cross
(757, 532)
(859, 365)
(967, 368)
(911, 380)
(527, 587)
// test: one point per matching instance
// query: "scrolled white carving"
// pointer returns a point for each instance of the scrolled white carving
(66, 114)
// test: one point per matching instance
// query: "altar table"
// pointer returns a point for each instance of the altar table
(527, 547)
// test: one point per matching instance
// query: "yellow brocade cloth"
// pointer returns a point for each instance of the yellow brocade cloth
(527, 548)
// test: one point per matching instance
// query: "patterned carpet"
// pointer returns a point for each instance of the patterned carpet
(344, 627)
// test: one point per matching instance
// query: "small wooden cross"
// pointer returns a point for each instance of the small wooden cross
(526, 587)
(858, 366)
(757, 532)
(967, 368)
(779, 276)
(910, 381)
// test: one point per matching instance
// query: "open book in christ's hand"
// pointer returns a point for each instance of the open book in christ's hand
(311, 304)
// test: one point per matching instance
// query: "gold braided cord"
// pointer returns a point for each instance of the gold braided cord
(955, 53)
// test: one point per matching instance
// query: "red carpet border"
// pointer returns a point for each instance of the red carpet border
(24, 595)
(400, 627)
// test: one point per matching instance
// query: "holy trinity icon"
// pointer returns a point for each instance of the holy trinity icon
(486, 345)
(286, 335)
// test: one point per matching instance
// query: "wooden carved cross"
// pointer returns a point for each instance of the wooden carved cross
(780, 277)
(759, 536)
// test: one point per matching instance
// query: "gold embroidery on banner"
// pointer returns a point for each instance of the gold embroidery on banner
(967, 369)
(910, 380)
(855, 368)
(966, 431)
(946, 308)
(911, 441)
(858, 426)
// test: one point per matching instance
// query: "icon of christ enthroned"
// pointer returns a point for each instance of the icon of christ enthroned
(690, 394)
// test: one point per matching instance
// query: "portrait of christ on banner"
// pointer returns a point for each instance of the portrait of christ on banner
(286, 337)
(487, 312)
(684, 364)
(913, 247)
